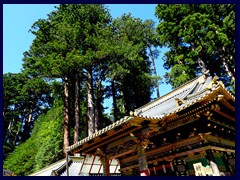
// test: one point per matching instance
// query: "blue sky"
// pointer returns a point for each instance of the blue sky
(18, 19)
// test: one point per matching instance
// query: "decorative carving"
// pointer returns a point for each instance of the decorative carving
(215, 107)
(178, 137)
(164, 142)
(128, 143)
(99, 152)
(133, 123)
(220, 97)
(122, 148)
(206, 113)
(141, 139)
(213, 84)
(179, 101)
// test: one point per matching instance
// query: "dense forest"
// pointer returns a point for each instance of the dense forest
(81, 56)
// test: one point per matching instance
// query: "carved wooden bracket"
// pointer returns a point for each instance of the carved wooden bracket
(141, 139)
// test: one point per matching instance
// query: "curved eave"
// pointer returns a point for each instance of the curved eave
(206, 97)
(99, 133)
(228, 94)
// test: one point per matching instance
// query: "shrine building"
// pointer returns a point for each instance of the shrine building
(195, 123)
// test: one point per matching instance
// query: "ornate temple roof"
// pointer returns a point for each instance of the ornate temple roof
(195, 91)
(174, 101)
(183, 97)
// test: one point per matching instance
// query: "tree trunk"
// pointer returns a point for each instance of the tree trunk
(15, 138)
(66, 117)
(154, 69)
(76, 105)
(96, 117)
(90, 104)
(202, 65)
(226, 66)
(17, 135)
(23, 130)
(200, 62)
(114, 101)
(30, 115)
(27, 124)
(126, 98)
(9, 130)
(98, 104)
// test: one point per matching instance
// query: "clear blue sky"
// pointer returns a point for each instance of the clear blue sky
(18, 19)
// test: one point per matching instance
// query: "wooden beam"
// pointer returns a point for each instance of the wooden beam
(227, 105)
(122, 154)
(107, 141)
(224, 114)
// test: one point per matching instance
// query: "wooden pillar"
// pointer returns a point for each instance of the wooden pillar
(142, 160)
(210, 156)
(105, 163)
(67, 168)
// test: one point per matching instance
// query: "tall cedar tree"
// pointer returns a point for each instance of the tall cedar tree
(64, 47)
(129, 66)
(200, 37)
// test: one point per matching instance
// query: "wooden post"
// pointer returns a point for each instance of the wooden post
(67, 168)
(105, 163)
(210, 156)
(142, 160)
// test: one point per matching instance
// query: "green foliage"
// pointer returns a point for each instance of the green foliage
(42, 148)
(22, 160)
(129, 66)
(49, 138)
(200, 37)
(25, 98)
(67, 40)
